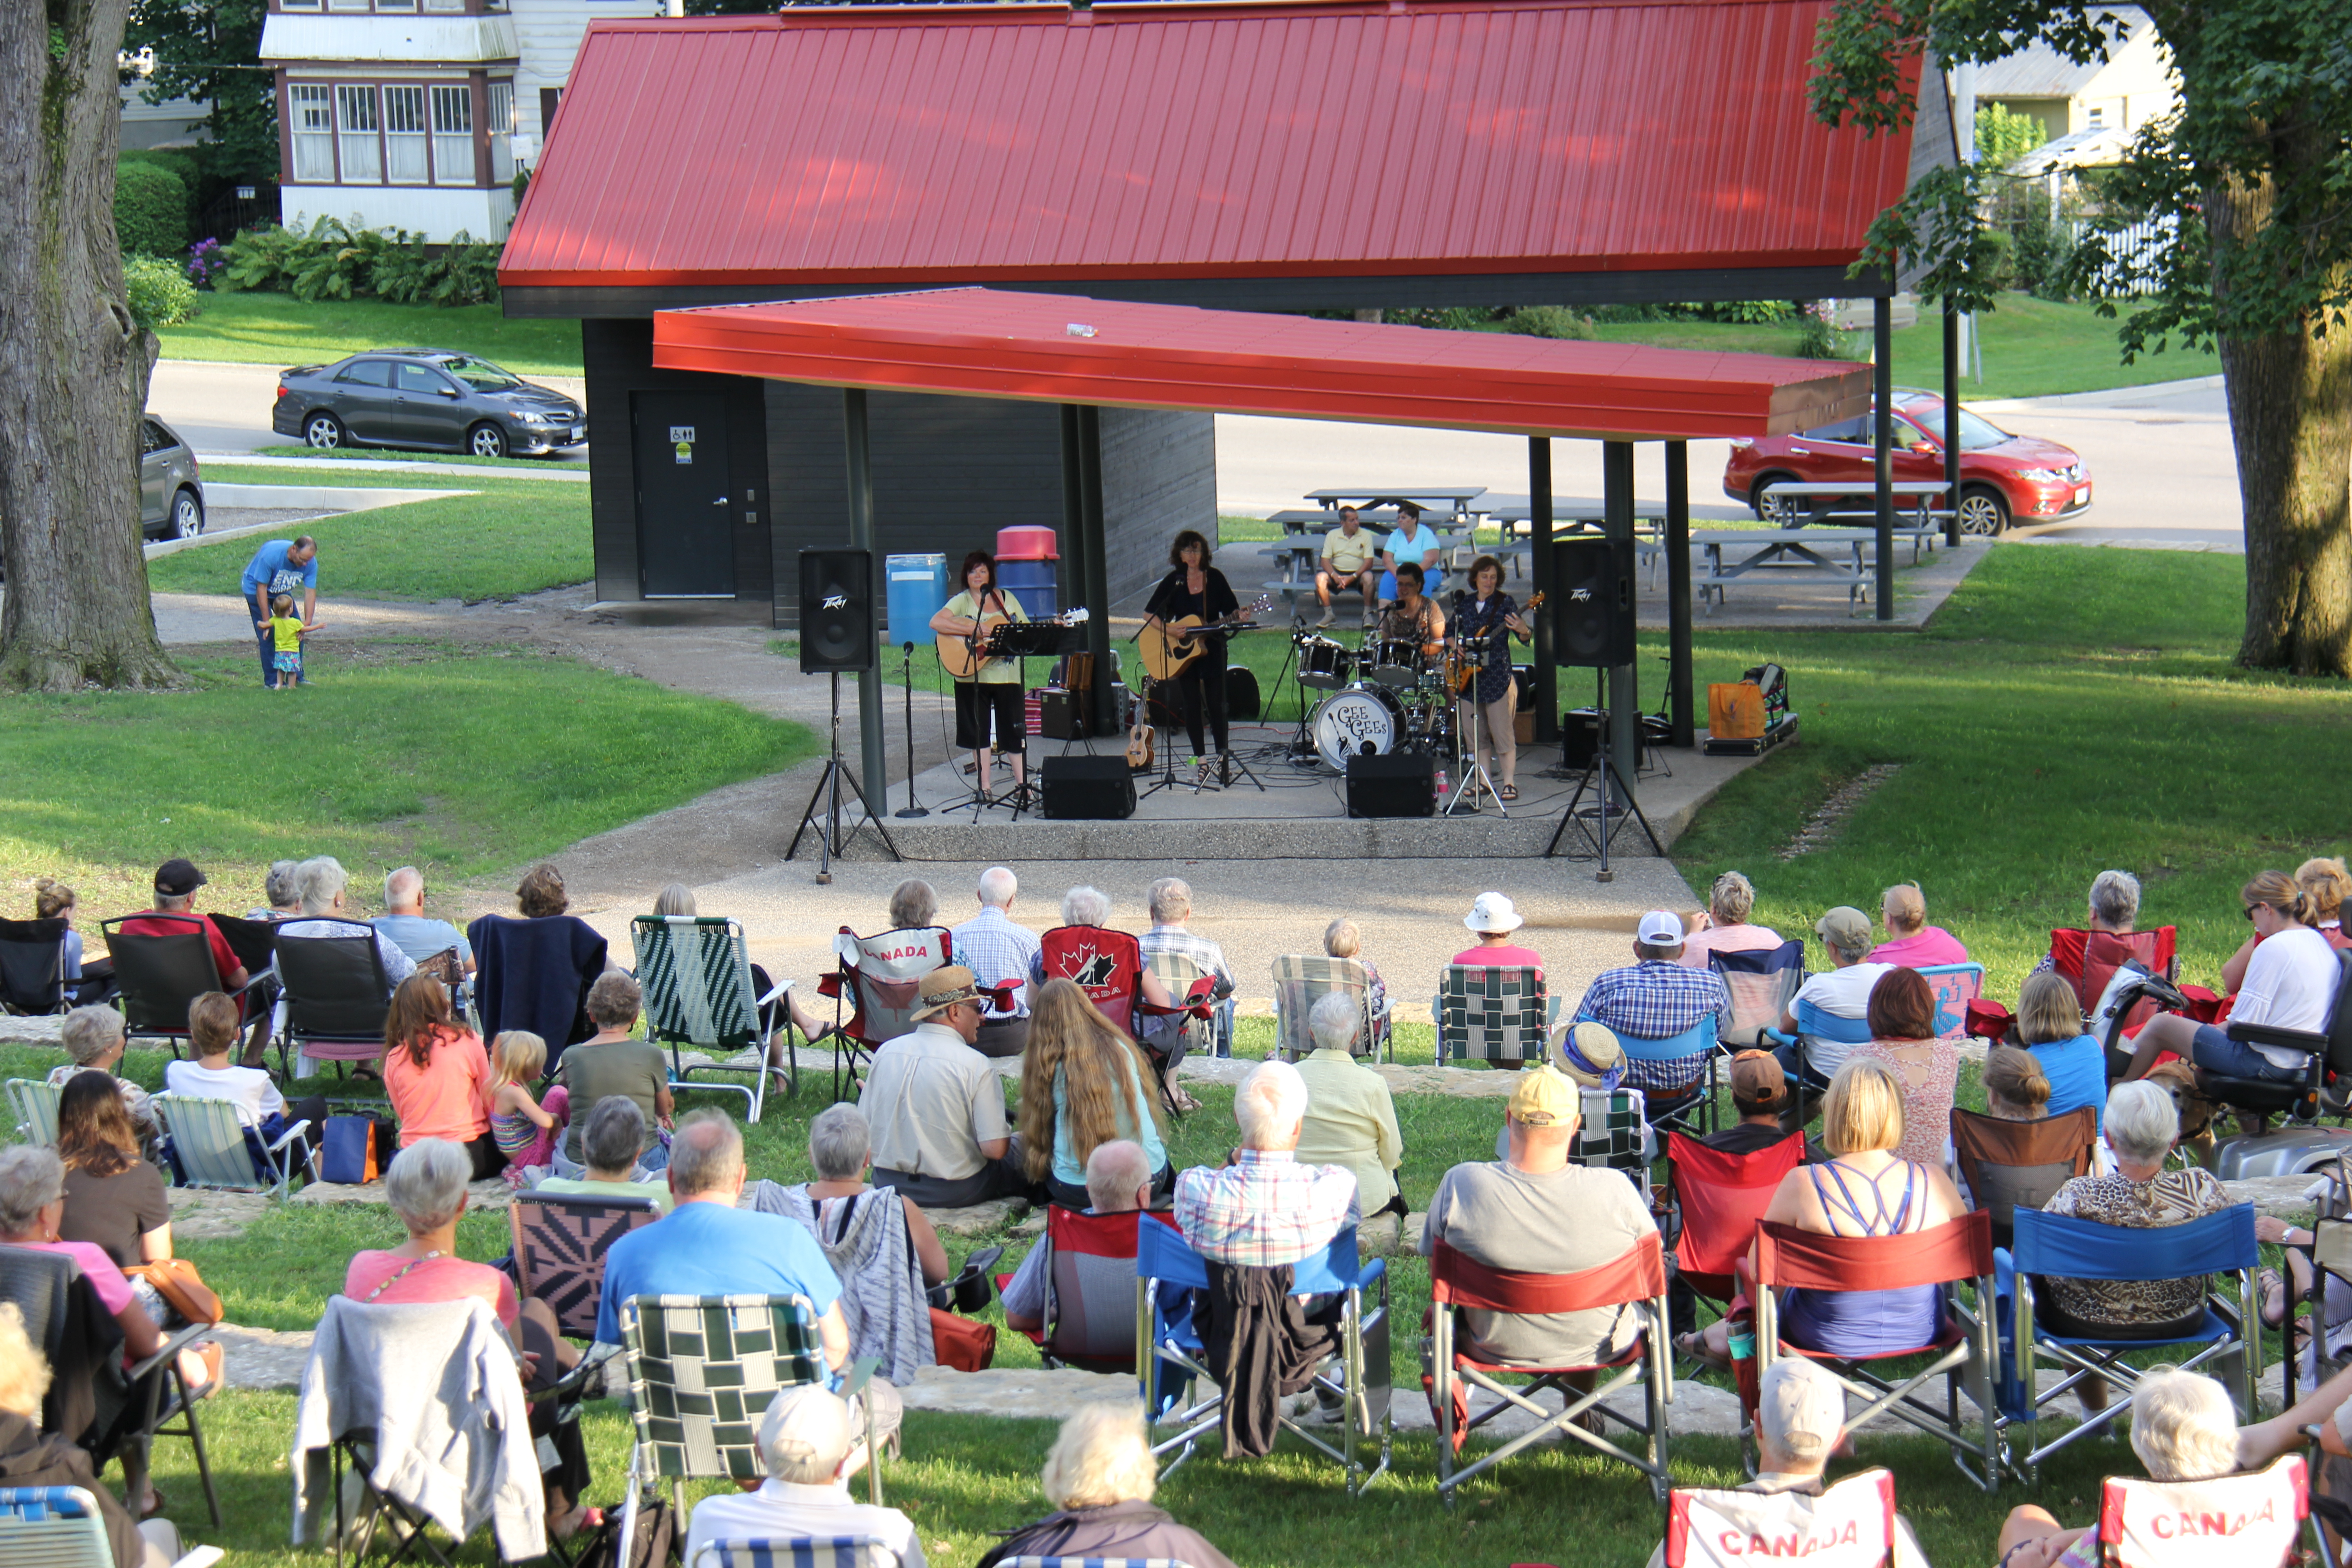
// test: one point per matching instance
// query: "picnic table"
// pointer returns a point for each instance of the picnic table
(1731, 553)
(1825, 495)
(1452, 500)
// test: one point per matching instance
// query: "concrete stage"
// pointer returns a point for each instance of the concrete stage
(1301, 813)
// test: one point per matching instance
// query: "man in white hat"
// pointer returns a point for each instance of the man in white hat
(1493, 920)
(811, 1442)
(936, 1107)
(1656, 998)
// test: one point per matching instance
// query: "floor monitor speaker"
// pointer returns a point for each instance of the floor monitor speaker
(1100, 788)
(1401, 783)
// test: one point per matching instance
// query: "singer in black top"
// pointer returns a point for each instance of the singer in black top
(1195, 588)
(1493, 699)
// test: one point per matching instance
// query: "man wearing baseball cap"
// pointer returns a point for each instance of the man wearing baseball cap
(1509, 1215)
(176, 882)
(1759, 1092)
(1839, 998)
(1656, 998)
(936, 1107)
(1493, 920)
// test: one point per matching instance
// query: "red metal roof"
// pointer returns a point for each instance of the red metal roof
(992, 342)
(907, 145)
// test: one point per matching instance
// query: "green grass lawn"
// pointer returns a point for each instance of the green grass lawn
(401, 455)
(457, 760)
(344, 477)
(513, 538)
(277, 329)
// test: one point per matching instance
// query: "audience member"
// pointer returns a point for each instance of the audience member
(2016, 1090)
(1911, 941)
(2114, 909)
(1725, 927)
(114, 1200)
(1119, 1180)
(278, 888)
(1492, 920)
(176, 882)
(1083, 1082)
(1351, 1115)
(1343, 938)
(411, 930)
(30, 1457)
(1099, 1478)
(612, 1061)
(1865, 1188)
(1656, 998)
(32, 1204)
(1084, 906)
(1509, 1215)
(322, 881)
(2050, 1025)
(85, 983)
(426, 1187)
(1171, 901)
(676, 899)
(914, 905)
(437, 1075)
(212, 1034)
(1903, 1036)
(810, 1443)
(541, 893)
(94, 1038)
(2290, 983)
(936, 1107)
(1760, 1093)
(1263, 1208)
(1001, 954)
(2328, 882)
(881, 1245)
(610, 1144)
(1839, 992)
(524, 1127)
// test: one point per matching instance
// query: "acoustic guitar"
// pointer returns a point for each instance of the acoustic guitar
(1166, 652)
(1462, 672)
(1139, 736)
(963, 658)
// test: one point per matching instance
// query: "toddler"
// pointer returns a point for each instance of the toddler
(524, 1128)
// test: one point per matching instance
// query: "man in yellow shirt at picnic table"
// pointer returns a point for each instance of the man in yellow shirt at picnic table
(1350, 560)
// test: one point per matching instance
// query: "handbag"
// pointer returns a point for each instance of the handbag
(183, 1290)
(347, 1149)
(961, 1343)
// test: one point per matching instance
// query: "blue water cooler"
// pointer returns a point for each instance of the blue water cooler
(917, 588)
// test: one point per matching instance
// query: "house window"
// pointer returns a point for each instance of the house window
(445, 4)
(298, 4)
(501, 128)
(395, 5)
(2098, 117)
(452, 136)
(355, 136)
(404, 135)
(314, 133)
(347, 4)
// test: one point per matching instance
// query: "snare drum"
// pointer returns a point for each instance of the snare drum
(1395, 661)
(1325, 665)
(1346, 722)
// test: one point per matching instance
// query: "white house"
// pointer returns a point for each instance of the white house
(411, 113)
(2134, 82)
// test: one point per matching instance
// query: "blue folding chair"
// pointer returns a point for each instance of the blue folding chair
(1812, 1024)
(1171, 1279)
(52, 1527)
(2062, 1246)
(1671, 1107)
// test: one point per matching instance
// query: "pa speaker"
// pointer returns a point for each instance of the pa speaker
(837, 611)
(1592, 618)
(1401, 783)
(1101, 788)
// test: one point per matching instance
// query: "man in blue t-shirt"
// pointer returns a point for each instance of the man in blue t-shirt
(1416, 542)
(281, 566)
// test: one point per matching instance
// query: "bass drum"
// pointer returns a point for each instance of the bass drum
(1348, 723)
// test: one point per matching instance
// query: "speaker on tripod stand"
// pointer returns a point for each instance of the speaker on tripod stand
(1592, 626)
(836, 639)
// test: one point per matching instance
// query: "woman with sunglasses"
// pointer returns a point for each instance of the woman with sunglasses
(2290, 984)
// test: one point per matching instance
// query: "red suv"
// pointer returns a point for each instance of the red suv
(2002, 476)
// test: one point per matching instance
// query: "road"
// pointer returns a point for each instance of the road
(2160, 456)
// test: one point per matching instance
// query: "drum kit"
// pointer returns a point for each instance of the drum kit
(1385, 694)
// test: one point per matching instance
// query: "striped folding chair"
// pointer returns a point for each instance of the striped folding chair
(1209, 1036)
(52, 1527)
(34, 1106)
(697, 975)
(213, 1147)
(1494, 1015)
(796, 1551)
(1301, 980)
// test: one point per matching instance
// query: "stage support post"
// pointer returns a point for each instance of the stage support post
(1952, 423)
(1679, 594)
(1882, 440)
(1624, 691)
(1092, 530)
(1539, 577)
(873, 773)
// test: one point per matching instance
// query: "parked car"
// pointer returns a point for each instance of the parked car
(171, 490)
(429, 398)
(2004, 477)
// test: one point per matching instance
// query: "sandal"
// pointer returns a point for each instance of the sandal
(1507, 792)
(156, 1501)
(2266, 1281)
(1693, 1345)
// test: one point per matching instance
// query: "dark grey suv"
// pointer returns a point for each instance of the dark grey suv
(425, 397)
(171, 490)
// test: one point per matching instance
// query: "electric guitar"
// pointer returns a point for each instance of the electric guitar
(964, 657)
(1166, 652)
(1462, 672)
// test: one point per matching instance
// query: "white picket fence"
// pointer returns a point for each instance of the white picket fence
(2136, 242)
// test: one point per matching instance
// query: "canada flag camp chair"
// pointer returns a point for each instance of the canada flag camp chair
(879, 976)
(1963, 1351)
(1721, 1197)
(2243, 1521)
(1108, 966)
(2011, 1165)
(1637, 1279)
(1849, 1525)
(1089, 1289)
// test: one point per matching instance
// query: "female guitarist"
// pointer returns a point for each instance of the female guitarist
(986, 689)
(1197, 592)
(1487, 611)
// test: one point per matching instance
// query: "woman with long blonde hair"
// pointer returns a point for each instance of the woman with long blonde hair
(1083, 1082)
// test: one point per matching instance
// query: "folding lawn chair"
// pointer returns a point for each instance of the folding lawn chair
(1207, 1024)
(212, 1146)
(1954, 986)
(34, 1103)
(879, 976)
(33, 966)
(1613, 1133)
(1638, 1280)
(1495, 1015)
(2244, 1521)
(1849, 1525)
(560, 1240)
(1170, 1349)
(1089, 1289)
(1717, 1198)
(1963, 1351)
(795, 1552)
(1092, 1562)
(2011, 1165)
(1108, 965)
(53, 1527)
(2071, 1248)
(1761, 983)
(2087, 960)
(161, 972)
(1301, 980)
(335, 1000)
(697, 975)
(1698, 1043)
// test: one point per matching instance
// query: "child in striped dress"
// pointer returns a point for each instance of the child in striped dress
(524, 1127)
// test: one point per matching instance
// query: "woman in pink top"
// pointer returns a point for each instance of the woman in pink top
(437, 1074)
(1493, 920)
(32, 1204)
(1724, 928)
(1911, 940)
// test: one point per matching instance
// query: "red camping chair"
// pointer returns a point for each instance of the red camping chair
(1849, 1525)
(2087, 960)
(1107, 965)
(1721, 1198)
(1956, 1252)
(1637, 1279)
(879, 976)
(1089, 1289)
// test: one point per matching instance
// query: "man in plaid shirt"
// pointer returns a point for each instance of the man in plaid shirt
(1000, 954)
(1265, 1208)
(1170, 898)
(1657, 999)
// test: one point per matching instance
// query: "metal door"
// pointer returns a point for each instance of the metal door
(685, 545)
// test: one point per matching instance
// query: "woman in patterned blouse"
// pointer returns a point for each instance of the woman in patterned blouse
(1903, 1036)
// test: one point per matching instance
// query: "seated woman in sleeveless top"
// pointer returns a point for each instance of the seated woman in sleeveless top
(1866, 1189)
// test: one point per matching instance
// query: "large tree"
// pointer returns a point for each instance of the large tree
(2251, 182)
(73, 362)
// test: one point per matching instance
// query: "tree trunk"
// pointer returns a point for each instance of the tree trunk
(73, 364)
(2291, 422)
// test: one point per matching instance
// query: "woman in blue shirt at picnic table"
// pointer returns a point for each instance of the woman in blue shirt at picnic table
(1416, 542)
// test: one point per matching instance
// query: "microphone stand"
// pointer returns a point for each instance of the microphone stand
(906, 673)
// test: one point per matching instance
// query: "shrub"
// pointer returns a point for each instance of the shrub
(1749, 312)
(160, 293)
(2002, 137)
(151, 210)
(1818, 338)
(331, 260)
(205, 262)
(1550, 321)
(2040, 252)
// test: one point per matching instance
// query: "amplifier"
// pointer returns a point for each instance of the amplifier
(1099, 788)
(1062, 715)
(1401, 783)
